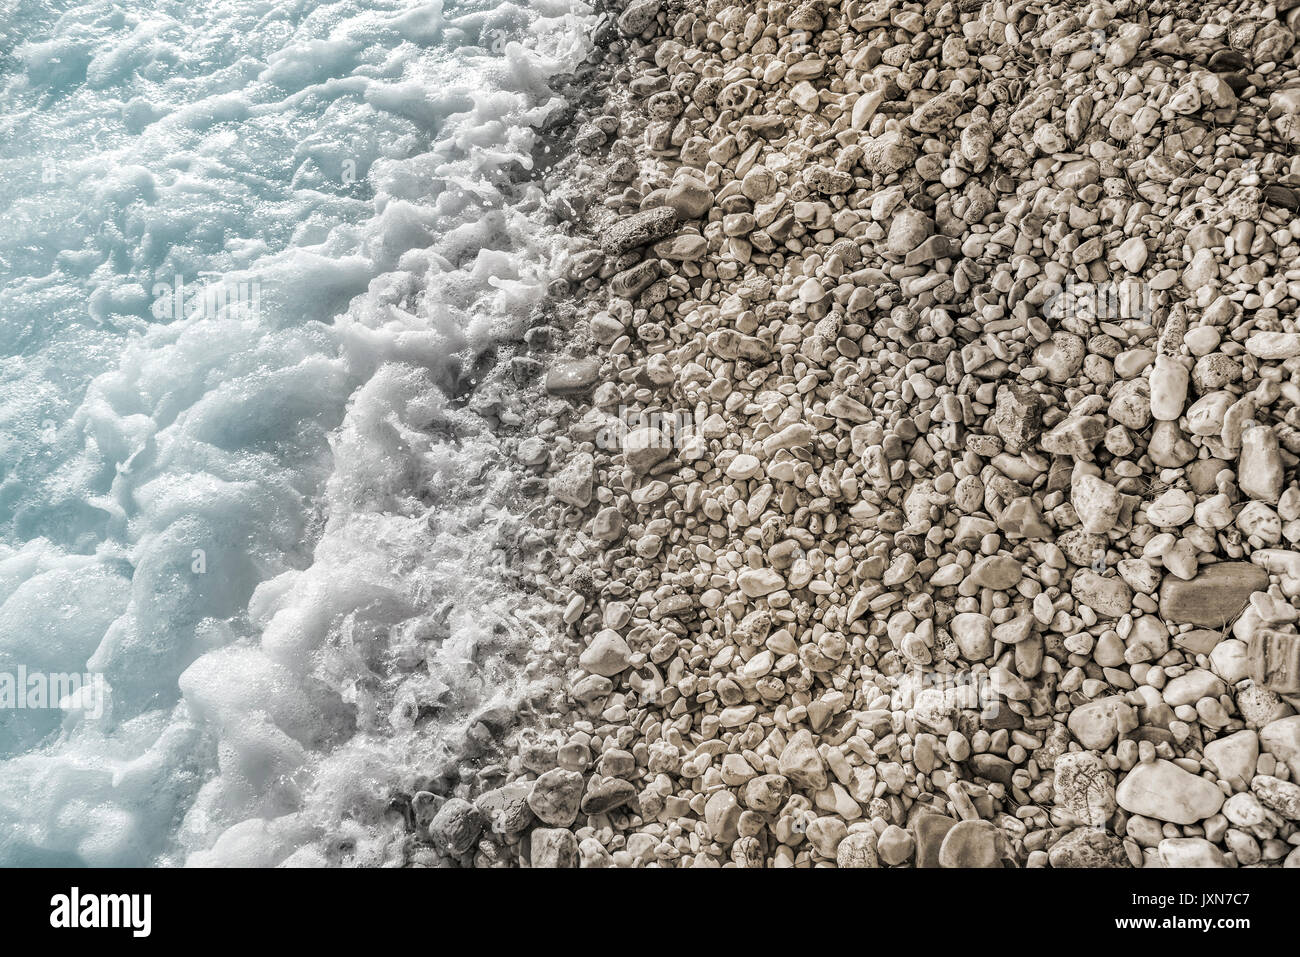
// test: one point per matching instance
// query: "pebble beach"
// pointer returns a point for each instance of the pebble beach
(911, 460)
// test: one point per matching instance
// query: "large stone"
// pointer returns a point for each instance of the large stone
(1164, 791)
(757, 582)
(1088, 847)
(572, 484)
(1097, 503)
(970, 844)
(1259, 706)
(895, 846)
(998, 572)
(506, 809)
(825, 834)
(1214, 597)
(908, 230)
(556, 796)
(1017, 417)
(931, 829)
(858, 850)
(1108, 597)
(1274, 345)
(765, 793)
(456, 827)
(638, 15)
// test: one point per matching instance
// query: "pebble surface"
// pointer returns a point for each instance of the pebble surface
(956, 523)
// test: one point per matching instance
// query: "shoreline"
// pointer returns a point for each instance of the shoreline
(971, 541)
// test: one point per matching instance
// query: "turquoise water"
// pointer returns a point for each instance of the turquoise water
(248, 248)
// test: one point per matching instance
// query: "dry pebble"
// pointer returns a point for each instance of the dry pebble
(957, 521)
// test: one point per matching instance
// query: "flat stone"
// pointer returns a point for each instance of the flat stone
(606, 793)
(1282, 796)
(1214, 597)
(843, 407)
(1164, 791)
(992, 767)
(757, 582)
(570, 376)
(1199, 641)
(1085, 787)
(1190, 852)
(1234, 757)
(1108, 597)
(1192, 686)
(639, 229)
(1281, 739)
(1274, 346)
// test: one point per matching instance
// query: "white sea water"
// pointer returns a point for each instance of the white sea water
(263, 522)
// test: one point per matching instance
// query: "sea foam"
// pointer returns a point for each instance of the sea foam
(266, 521)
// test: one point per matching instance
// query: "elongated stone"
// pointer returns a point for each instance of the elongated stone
(1164, 791)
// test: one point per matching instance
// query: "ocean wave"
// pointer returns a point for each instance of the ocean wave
(260, 248)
